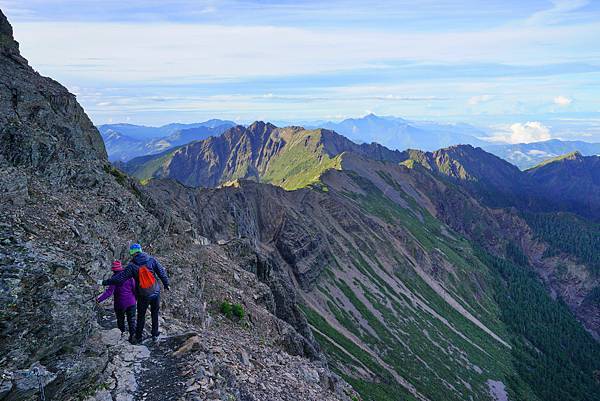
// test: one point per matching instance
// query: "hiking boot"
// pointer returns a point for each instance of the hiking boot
(155, 339)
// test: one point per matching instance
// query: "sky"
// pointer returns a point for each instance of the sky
(526, 70)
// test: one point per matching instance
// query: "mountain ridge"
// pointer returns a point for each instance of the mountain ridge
(569, 182)
(294, 154)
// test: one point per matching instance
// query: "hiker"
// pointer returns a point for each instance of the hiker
(143, 268)
(124, 300)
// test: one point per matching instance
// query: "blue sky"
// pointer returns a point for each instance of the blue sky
(528, 69)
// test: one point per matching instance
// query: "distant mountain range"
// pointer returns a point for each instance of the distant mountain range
(126, 141)
(527, 155)
(143, 132)
(294, 157)
(400, 134)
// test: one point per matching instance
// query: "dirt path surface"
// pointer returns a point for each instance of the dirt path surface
(223, 363)
(161, 377)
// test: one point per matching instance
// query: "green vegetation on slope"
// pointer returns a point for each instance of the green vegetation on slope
(570, 155)
(301, 162)
(147, 167)
(569, 234)
(297, 164)
(447, 358)
(551, 350)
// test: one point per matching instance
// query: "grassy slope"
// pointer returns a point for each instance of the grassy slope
(439, 362)
(301, 162)
(555, 159)
(145, 168)
(544, 335)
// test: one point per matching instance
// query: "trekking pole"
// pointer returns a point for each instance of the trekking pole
(37, 372)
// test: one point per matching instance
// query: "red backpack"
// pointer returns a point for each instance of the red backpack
(146, 281)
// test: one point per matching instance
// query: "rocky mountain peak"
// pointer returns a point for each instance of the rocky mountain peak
(41, 122)
(7, 41)
(576, 155)
(261, 126)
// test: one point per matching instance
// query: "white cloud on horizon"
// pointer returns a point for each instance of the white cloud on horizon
(475, 100)
(531, 131)
(562, 101)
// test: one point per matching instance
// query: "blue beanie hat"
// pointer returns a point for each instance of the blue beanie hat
(135, 248)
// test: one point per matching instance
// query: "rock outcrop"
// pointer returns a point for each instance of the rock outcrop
(40, 121)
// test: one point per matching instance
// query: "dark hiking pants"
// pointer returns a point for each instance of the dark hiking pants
(130, 313)
(142, 305)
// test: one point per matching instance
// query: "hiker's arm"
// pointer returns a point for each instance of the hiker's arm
(162, 274)
(120, 278)
(106, 294)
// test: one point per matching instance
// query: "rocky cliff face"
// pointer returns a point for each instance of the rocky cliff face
(40, 120)
(65, 213)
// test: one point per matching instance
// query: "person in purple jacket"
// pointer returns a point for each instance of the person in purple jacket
(124, 299)
(144, 269)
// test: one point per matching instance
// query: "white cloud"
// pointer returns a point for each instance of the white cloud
(475, 100)
(531, 131)
(562, 100)
(538, 152)
(518, 155)
(560, 10)
(171, 52)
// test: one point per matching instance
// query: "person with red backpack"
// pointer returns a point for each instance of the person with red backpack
(143, 268)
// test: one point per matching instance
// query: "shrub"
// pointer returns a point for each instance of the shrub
(115, 172)
(227, 309)
(230, 310)
(238, 311)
